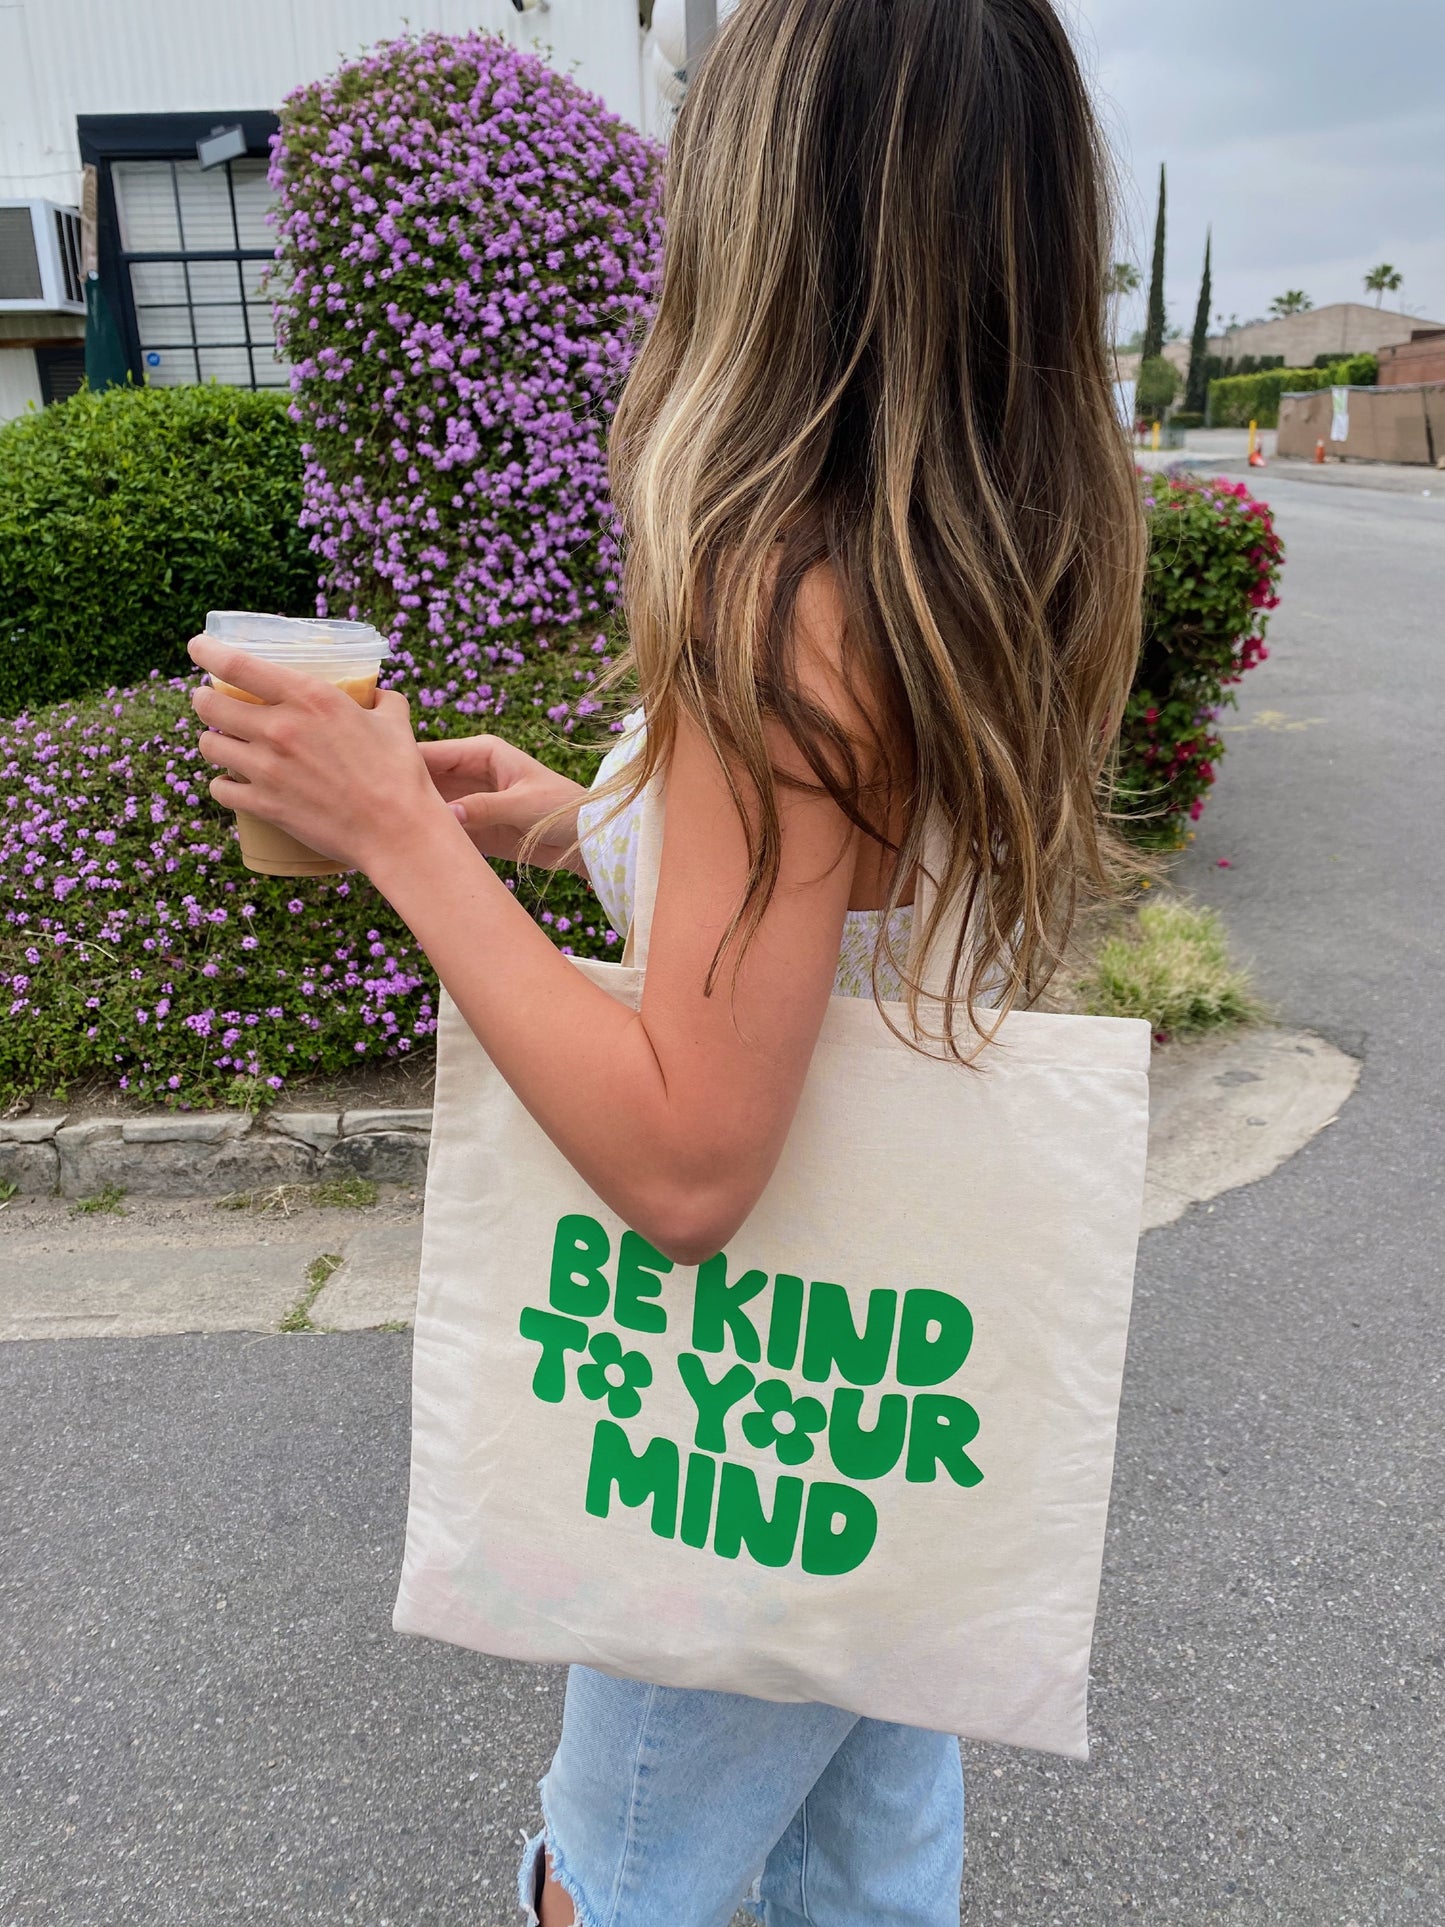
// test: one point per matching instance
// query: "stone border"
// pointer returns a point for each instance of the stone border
(1225, 1111)
(208, 1153)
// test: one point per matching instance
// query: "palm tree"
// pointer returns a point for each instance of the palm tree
(1293, 301)
(1382, 280)
(1124, 278)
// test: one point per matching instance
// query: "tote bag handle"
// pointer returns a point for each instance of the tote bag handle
(649, 862)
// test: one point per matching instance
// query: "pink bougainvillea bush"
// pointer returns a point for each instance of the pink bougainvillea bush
(470, 245)
(1213, 577)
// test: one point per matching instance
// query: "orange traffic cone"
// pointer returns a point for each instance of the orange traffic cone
(1320, 449)
(1256, 459)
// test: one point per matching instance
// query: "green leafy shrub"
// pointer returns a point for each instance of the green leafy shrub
(136, 950)
(125, 516)
(1187, 418)
(1158, 385)
(1214, 563)
(1238, 400)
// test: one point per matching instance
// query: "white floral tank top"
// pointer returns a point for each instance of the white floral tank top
(610, 853)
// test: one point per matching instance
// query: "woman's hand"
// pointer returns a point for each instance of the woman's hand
(498, 792)
(348, 781)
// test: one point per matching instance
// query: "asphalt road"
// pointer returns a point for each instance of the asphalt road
(206, 1719)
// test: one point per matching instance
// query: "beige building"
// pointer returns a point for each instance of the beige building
(1342, 328)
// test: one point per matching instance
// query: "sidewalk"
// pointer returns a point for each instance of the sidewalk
(1225, 451)
(1225, 1112)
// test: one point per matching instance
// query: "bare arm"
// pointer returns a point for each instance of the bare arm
(675, 1115)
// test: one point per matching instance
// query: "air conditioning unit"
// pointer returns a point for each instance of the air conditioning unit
(40, 259)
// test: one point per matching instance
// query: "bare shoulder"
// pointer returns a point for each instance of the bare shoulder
(828, 672)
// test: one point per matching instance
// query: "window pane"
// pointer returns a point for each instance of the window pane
(145, 200)
(232, 365)
(263, 327)
(163, 327)
(270, 368)
(263, 280)
(169, 367)
(214, 281)
(160, 282)
(206, 222)
(254, 200)
(220, 327)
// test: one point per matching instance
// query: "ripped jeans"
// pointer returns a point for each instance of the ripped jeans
(667, 1807)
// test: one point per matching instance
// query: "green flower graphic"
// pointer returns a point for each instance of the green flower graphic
(783, 1421)
(614, 1375)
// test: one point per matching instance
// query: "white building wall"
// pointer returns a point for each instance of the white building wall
(19, 383)
(60, 58)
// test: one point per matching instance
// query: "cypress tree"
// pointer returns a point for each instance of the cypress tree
(1196, 394)
(1154, 325)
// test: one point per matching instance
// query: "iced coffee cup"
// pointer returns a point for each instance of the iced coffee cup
(349, 654)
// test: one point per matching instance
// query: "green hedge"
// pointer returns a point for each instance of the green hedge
(1238, 400)
(125, 516)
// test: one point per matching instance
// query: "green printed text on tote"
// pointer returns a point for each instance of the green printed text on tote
(743, 1332)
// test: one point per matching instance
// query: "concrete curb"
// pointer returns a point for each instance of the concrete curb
(205, 1154)
(1225, 1111)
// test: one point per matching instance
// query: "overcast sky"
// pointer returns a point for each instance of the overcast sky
(1310, 133)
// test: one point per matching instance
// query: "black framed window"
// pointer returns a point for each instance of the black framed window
(61, 368)
(186, 251)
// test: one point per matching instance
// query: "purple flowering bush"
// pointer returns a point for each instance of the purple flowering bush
(470, 246)
(136, 950)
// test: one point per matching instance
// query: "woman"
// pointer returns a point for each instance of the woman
(884, 556)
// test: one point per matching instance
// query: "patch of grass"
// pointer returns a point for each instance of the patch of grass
(337, 1194)
(346, 1194)
(106, 1199)
(393, 1325)
(8, 1190)
(298, 1319)
(1173, 969)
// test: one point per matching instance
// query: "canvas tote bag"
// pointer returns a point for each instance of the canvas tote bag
(862, 1455)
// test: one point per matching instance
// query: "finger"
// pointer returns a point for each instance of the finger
(247, 721)
(230, 753)
(453, 774)
(270, 681)
(230, 794)
(440, 756)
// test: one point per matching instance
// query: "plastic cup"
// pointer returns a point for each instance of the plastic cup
(348, 654)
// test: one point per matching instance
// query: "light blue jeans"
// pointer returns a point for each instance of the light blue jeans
(673, 1808)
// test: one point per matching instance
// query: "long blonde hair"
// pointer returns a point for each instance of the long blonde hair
(880, 345)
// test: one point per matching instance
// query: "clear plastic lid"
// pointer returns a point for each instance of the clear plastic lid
(300, 641)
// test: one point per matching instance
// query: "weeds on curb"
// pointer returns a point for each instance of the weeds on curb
(298, 1319)
(393, 1325)
(106, 1199)
(1173, 969)
(343, 1194)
